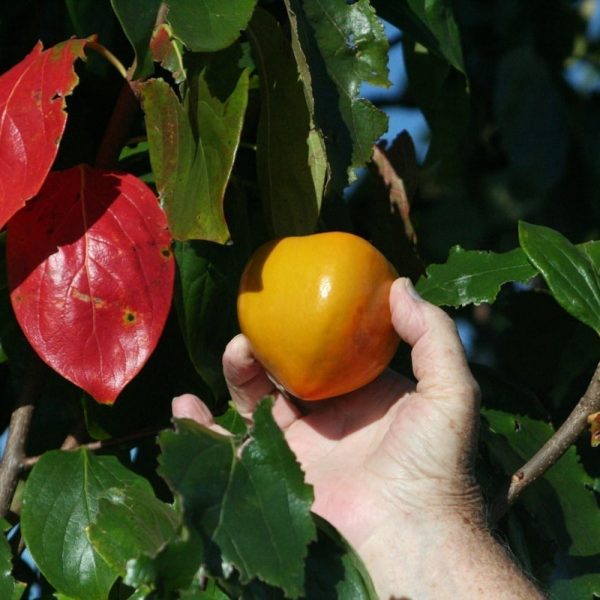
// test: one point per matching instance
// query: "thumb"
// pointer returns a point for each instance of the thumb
(438, 357)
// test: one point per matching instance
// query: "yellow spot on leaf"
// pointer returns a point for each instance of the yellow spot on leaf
(129, 317)
(78, 295)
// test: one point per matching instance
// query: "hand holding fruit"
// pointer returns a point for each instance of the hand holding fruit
(391, 463)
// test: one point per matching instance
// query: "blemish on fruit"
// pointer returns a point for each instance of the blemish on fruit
(165, 252)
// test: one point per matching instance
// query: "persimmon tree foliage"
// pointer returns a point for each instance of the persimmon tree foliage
(148, 147)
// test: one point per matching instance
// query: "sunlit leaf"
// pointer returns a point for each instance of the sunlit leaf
(209, 25)
(345, 46)
(91, 276)
(317, 158)
(473, 277)
(131, 522)
(429, 22)
(255, 507)
(193, 146)
(267, 489)
(571, 275)
(60, 502)
(32, 120)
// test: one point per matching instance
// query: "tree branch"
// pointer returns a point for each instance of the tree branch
(10, 467)
(30, 461)
(552, 450)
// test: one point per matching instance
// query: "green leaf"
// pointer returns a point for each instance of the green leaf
(232, 420)
(473, 277)
(137, 18)
(442, 95)
(267, 489)
(317, 158)
(429, 22)
(60, 501)
(571, 275)
(196, 464)
(173, 568)
(209, 25)
(334, 570)
(168, 51)
(211, 592)
(206, 304)
(255, 507)
(531, 117)
(9, 588)
(131, 522)
(344, 46)
(561, 504)
(193, 146)
(291, 197)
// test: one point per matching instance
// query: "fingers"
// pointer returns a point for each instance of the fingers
(248, 383)
(246, 379)
(439, 362)
(188, 406)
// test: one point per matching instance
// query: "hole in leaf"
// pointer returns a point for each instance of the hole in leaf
(517, 426)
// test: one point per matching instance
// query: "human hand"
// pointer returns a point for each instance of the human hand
(391, 464)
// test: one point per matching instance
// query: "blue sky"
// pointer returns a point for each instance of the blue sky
(400, 118)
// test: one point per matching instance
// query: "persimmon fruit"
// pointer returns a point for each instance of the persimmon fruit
(316, 311)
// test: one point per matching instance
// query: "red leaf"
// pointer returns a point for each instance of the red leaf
(32, 120)
(91, 272)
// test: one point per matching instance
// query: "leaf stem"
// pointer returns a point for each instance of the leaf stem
(109, 56)
(30, 461)
(552, 450)
(10, 467)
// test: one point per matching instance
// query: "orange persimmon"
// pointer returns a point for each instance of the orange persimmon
(316, 311)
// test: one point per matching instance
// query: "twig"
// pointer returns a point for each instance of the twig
(10, 467)
(109, 56)
(552, 450)
(30, 461)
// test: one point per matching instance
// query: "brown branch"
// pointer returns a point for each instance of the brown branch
(20, 421)
(552, 450)
(30, 461)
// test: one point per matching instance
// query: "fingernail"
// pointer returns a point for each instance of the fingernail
(412, 292)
